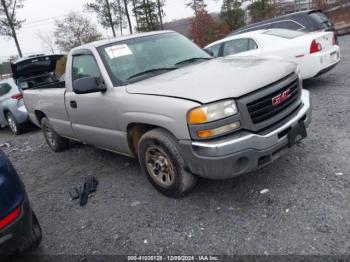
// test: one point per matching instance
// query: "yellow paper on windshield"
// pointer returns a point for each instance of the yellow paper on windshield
(118, 51)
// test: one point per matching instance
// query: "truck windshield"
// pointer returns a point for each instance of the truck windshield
(140, 58)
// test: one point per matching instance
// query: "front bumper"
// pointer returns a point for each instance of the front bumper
(13, 236)
(242, 152)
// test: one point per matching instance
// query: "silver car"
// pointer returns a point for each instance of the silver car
(12, 110)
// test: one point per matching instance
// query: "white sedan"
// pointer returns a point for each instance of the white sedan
(315, 53)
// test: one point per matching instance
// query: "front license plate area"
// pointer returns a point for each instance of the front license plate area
(296, 133)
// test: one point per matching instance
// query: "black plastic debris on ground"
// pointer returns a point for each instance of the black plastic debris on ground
(89, 187)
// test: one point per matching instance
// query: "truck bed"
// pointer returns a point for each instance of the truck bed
(49, 100)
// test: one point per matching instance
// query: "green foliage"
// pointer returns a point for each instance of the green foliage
(146, 12)
(73, 31)
(196, 5)
(232, 14)
(262, 9)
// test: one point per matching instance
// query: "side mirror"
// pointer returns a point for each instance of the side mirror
(88, 85)
(209, 51)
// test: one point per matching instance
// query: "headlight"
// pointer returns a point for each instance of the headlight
(212, 112)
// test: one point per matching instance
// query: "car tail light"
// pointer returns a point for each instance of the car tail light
(10, 218)
(18, 96)
(315, 47)
(334, 39)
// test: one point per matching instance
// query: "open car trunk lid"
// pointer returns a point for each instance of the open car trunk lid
(33, 66)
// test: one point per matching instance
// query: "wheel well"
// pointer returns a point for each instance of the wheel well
(39, 116)
(135, 132)
(5, 112)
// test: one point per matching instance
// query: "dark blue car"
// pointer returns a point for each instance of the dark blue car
(19, 228)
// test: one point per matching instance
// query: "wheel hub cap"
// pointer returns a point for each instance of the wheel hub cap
(50, 136)
(159, 167)
(12, 124)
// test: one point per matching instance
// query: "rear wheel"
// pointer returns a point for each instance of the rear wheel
(162, 163)
(16, 128)
(34, 239)
(55, 142)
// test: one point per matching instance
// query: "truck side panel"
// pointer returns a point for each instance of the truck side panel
(49, 102)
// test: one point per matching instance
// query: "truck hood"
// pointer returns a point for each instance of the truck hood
(34, 66)
(217, 79)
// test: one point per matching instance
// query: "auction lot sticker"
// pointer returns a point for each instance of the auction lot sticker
(118, 51)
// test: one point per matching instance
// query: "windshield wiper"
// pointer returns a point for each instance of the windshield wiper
(153, 70)
(193, 59)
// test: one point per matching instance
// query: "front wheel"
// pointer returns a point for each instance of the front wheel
(55, 142)
(162, 163)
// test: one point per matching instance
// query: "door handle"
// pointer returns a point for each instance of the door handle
(73, 104)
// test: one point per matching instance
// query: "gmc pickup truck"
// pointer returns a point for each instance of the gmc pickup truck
(160, 98)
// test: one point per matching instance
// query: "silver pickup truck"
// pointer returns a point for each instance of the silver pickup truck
(160, 98)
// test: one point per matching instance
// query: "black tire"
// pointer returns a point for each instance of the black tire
(181, 181)
(34, 239)
(55, 142)
(14, 126)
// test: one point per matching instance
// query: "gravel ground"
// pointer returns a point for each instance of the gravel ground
(306, 210)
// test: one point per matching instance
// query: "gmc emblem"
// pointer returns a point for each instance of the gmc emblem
(277, 100)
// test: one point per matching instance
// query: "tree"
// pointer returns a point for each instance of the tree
(73, 31)
(320, 4)
(134, 10)
(196, 5)
(205, 30)
(120, 15)
(48, 41)
(147, 15)
(262, 9)
(232, 14)
(160, 5)
(9, 23)
(127, 13)
(105, 11)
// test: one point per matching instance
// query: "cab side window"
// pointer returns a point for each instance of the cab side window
(238, 46)
(4, 89)
(85, 66)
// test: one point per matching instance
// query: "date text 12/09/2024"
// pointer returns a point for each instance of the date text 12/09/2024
(173, 258)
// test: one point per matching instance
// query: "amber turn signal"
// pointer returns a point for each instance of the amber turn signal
(197, 116)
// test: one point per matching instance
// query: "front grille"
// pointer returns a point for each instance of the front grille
(262, 109)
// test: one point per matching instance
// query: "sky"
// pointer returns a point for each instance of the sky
(41, 14)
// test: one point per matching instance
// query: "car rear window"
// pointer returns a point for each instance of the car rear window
(4, 88)
(284, 33)
(287, 25)
(321, 19)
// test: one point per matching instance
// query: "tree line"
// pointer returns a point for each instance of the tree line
(116, 15)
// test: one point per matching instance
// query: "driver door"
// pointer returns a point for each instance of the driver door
(92, 115)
